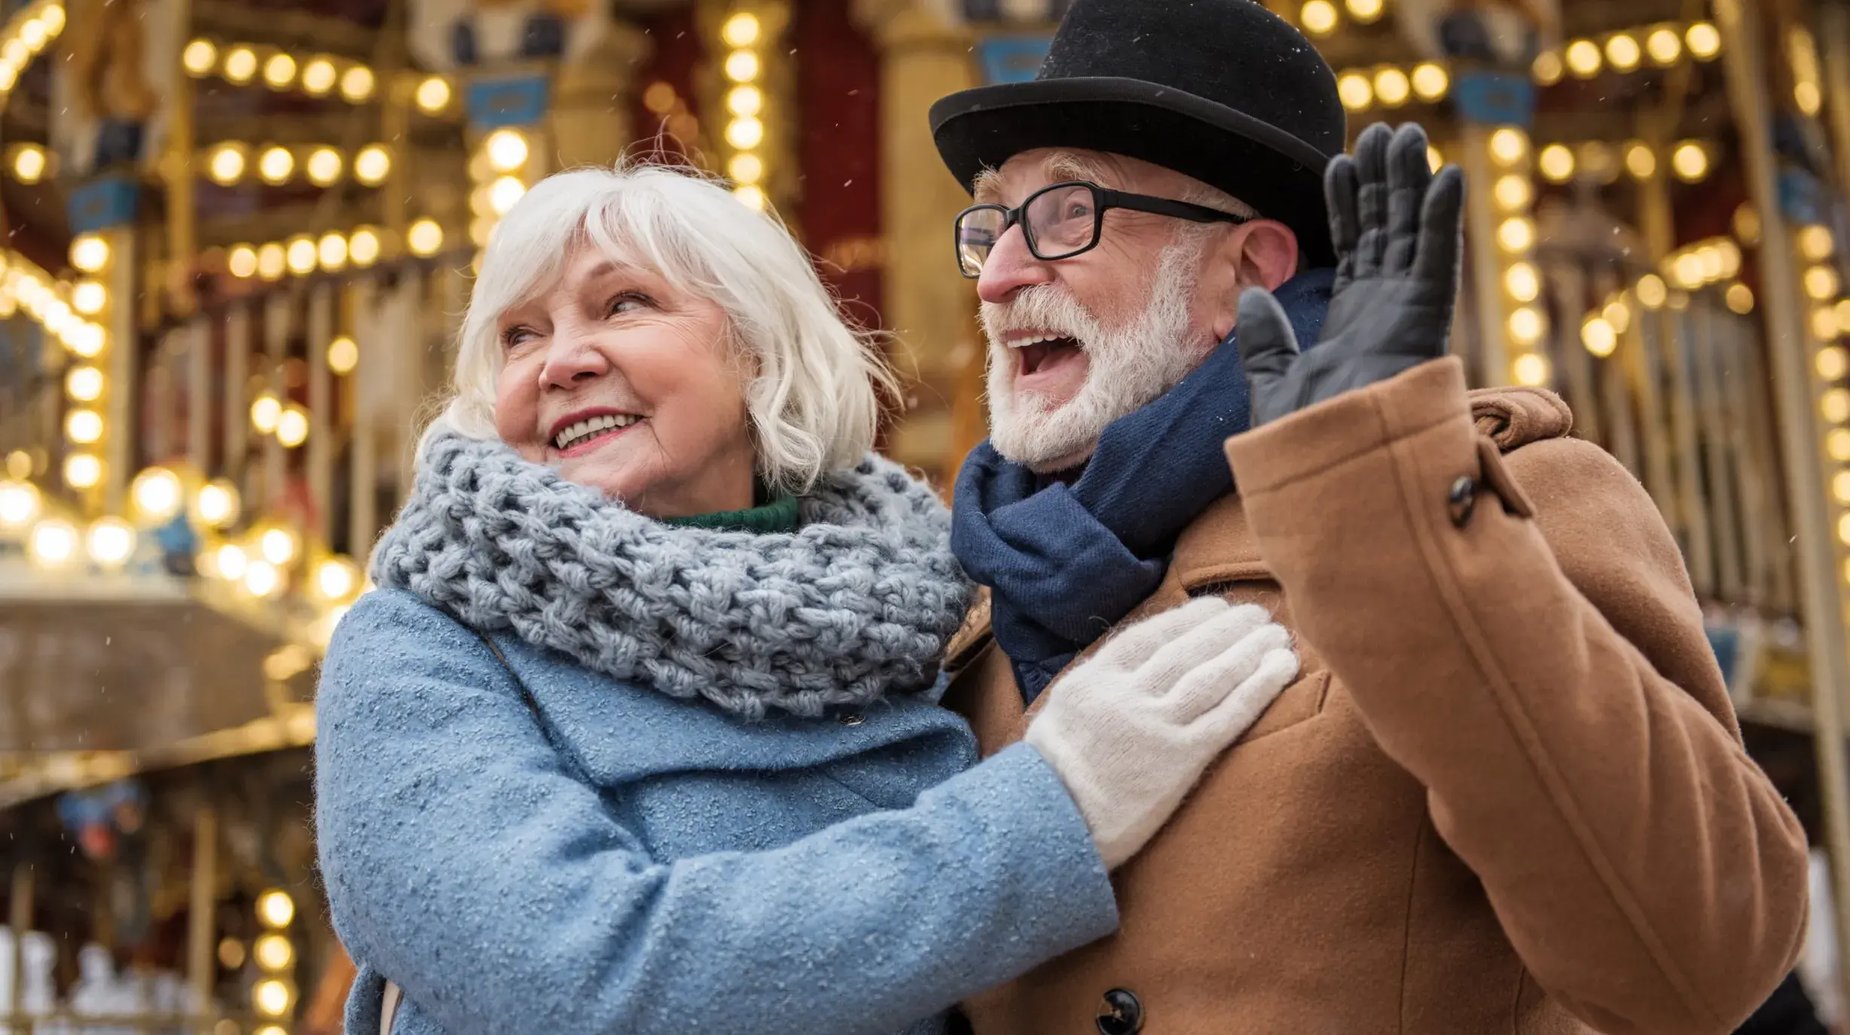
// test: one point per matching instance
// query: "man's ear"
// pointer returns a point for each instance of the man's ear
(1263, 253)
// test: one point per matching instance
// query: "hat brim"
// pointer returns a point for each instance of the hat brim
(1267, 167)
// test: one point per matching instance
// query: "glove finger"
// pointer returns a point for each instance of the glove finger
(1409, 173)
(1371, 198)
(1134, 645)
(1267, 344)
(1199, 647)
(1442, 231)
(1232, 717)
(1201, 690)
(1339, 190)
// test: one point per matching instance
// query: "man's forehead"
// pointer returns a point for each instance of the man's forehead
(1029, 171)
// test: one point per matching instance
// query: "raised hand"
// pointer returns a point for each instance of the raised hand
(1397, 231)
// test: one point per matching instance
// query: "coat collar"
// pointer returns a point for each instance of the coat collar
(1218, 546)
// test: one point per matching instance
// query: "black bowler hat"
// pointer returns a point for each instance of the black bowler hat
(1224, 91)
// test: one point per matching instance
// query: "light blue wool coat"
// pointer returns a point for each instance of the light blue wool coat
(630, 862)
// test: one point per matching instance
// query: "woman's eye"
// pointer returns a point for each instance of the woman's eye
(514, 337)
(628, 301)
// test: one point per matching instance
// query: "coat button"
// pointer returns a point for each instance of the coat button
(851, 718)
(1120, 1013)
(1461, 500)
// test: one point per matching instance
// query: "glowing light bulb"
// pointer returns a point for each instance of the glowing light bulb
(319, 76)
(356, 84)
(199, 57)
(323, 166)
(343, 355)
(157, 494)
(52, 543)
(741, 30)
(1318, 17)
(433, 95)
(1357, 93)
(1432, 82)
(506, 149)
(111, 541)
(217, 503)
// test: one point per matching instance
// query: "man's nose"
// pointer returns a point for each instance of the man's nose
(570, 361)
(1011, 267)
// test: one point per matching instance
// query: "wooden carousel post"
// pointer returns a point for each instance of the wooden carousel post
(201, 913)
(102, 215)
(177, 176)
(1497, 108)
(1792, 379)
(1835, 23)
(928, 305)
(19, 918)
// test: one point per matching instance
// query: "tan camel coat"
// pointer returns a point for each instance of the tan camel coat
(1507, 793)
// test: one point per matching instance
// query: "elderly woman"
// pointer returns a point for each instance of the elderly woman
(639, 732)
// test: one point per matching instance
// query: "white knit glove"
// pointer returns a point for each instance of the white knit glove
(1132, 728)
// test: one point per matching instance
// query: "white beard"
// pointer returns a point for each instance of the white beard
(1128, 367)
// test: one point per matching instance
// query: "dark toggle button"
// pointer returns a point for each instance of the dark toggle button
(851, 718)
(1120, 1013)
(1461, 500)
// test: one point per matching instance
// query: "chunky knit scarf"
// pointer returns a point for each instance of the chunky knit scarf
(854, 606)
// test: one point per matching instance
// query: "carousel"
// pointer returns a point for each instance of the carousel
(239, 242)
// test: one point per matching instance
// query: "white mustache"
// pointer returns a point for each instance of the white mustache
(1046, 309)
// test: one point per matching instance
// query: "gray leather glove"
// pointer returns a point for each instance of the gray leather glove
(1397, 231)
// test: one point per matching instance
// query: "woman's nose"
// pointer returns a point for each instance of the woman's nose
(571, 361)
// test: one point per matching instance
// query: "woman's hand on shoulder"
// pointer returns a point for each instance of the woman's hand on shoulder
(1132, 728)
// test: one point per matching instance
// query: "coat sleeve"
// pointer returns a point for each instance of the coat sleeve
(464, 861)
(1539, 664)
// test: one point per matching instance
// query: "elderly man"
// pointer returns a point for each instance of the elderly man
(1508, 793)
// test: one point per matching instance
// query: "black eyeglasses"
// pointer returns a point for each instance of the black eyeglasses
(1062, 221)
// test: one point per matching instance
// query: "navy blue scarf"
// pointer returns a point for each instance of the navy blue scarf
(1064, 562)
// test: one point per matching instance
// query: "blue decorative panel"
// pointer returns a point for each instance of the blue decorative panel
(1495, 98)
(516, 101)
(101, 204)
(1012, 59)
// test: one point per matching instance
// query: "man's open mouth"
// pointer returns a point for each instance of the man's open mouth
(1045, 354)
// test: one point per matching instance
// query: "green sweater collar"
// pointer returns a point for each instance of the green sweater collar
(778, 515)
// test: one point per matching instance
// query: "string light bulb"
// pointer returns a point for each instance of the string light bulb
(157, 494)
(433, 95)
(1557, 163)
(506, 149)
(372, 165)
(1704, 40)
(363, 247)
(1690, 161)
(741, 30)
(1392, 87)
(319, 76)
(356, 84)
(343, 355)
(1357, 93)
(1664, 46)
(279, 71)
(1584, 58)
(323, 166)
(1623, 52)
(1431, 81)
(111, 541)
(52, 543)
(1318, 17)
(198, 57)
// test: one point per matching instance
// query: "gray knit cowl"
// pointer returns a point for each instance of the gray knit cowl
(854, 606)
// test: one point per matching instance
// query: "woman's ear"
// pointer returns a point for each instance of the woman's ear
(1263, 253)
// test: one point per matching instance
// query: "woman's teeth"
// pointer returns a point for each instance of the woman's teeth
(584, 429)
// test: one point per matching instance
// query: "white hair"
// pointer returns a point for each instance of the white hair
(814, 397)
